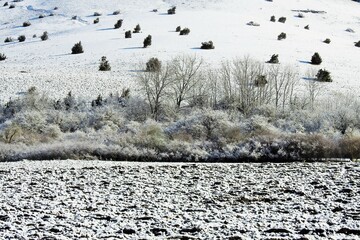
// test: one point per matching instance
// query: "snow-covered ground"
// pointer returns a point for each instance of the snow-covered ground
(49, 66)
(112, 200)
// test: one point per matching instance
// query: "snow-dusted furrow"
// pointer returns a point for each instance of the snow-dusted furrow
(112, 200)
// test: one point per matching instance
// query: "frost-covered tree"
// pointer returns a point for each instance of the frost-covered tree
(153, 65)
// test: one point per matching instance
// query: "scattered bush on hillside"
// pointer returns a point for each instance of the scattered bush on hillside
(350, 30)
(316, 59)
(5, 4)
(172, 10)
(22, 38)
(260, 81)
(104, 64)
(254, 24)
(97, 14)
(282, 36)
(153, 65)
(41, 16)
(51, 14)
(8, 39)
(118, 24)
(185, 31)
(274, 59)
(300, 15)
(97, 20)
(323, 76)
(12, 6)
(2, 57)
(44, 36)
(147, 41)
(207, 45)
(178, 29)
(357, 44)
(56, 8)
(128, 34)
(26, 24)
(98, 102)
(117, 12)
(137, 29)
(307, 27)
(74, 17)
(77, 48)
(282, 19)
(327, 41)
(34, 36)
(272, 19)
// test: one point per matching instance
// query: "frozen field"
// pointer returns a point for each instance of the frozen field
(112, 200)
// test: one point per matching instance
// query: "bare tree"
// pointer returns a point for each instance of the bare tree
(313, 87)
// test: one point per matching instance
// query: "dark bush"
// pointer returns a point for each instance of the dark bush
(41, 16)
(178, 29)
(77, 48)
(137, 29)
(74, 17)
(8, 39)
(153, 65)
(12, 6)
(98, 102)
(2, 57)
(316, 59)
(327, 41)
(34, 36)
(147, 41)
(282, 36)
(97, 14)
(185, 31)
(207, 45)
(300, 15)
(56, 8)
(104, 64)
(5, 4)
(97, 20)
(274, 59)
(357, 44)
(128, 34)
(272, 19)
(118, 24)
(260, 81)
(323, 76)
(26, 24)
(172, 10)
(22, 38)
(51, 14)
(282, 19)
(307, 27)
(117, 12)
(44, 36)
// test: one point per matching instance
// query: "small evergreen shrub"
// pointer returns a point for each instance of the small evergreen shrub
(178, 29)
(5, 4)
(26, 24)
(300, 15)
(51, 14)
(44, 36)
(128, 34)
(137, 29)
(282, 19)
(12, 6)
(153, 65)
(97, 20)
(172, 10)
(8, 39)
(307, 27)
(118, 24)
(147, 41)
(2, 57)
(327, 41)
(41, 16)
(117, 12)
(207, 45)
(104, 64)
(97, 14)
(272, 19)
(357, 44)
(74, 17)
(316, 59)
(77, 48)
(323, 76)
(185, 31)
(34, 36)
(98, 102)
(260, 81)
(282, 36)
(274, 59)
(22, 38)
(56, 8)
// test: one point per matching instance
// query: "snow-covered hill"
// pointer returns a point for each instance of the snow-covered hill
(50, 67)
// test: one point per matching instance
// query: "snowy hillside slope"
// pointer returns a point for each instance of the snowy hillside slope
(50, 67)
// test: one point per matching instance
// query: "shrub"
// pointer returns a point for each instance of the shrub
(260, 81)
(178, 29)
(26, 24)
(97, 14)
(172, 10)
(323, 76)
(22, 38)
(2, 57)
(274, 59)
(185, 31)
(12, 6)
(207, 45)
(307, 27)
(282, 36)
(8, 39)
(316, 59)
(77, 48)
(118, 24)
(147, 41)
(117, 12)
(41, 16)
(327, 41)
(104, 64)
(5, 4)
(272, 19)
(56, 8)
(74, 17)
(300, 15)
(282, 19)
(153, 65)
(51, 14)
(34, 36)
(98, 101)
(97, 20)
(137, 29)
(128, 34)
(357, 44)
(44, 36)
